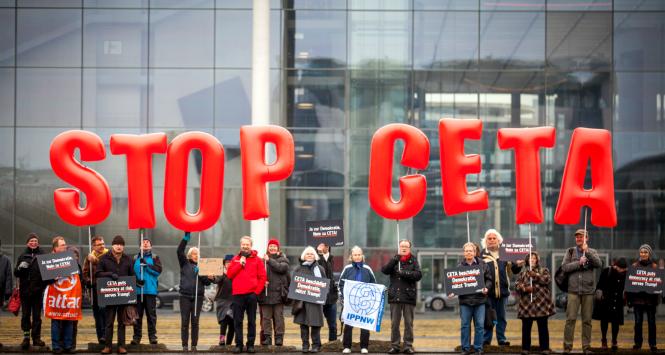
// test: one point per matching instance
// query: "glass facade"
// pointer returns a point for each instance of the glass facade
(339, 70)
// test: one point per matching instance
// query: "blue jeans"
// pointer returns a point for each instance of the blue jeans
(330, 312)
(499, 304)
(62, 334)
(478, 315)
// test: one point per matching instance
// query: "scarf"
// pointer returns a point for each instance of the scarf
(359, 271)
(316, 270)
(405, 258)
(246, 254)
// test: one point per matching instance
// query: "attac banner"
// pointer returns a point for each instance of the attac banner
(330, 232)
(56, 265)
(515, 249)
(211, 266)
(363, 305)
(464, 280)
(116, 292)
(309, 288)
(642, 279)
(62, 299)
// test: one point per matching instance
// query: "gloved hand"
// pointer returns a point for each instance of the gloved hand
(196, 269)
(397, 257)
(142, 261)
(140, 283)
(114, 277)
(23, 265)
(187, 236)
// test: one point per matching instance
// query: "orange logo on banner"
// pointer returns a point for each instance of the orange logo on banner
(62, 299)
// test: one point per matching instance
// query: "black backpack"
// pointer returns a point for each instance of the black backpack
(561, 278)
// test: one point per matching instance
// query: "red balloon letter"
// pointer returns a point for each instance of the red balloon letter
(455, 165)
(256, 173)
(212, 181)
(412, 187)
(595, 145)
(527, 143)
(139, 150)
(88, 181)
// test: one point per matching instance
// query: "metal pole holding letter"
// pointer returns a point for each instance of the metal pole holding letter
(196, 277)
(141, 231)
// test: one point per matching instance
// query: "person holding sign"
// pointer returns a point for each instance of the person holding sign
(643, 302)
(330, 308)
(31, 289)
(114, 265)
(89, 269)
(609, 301)
(272, 301)
(309, 315)
(147, 268)
(535, 303)
(357, 270)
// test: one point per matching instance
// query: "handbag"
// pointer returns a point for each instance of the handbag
(129, 315)
(561, 278)
(14, 304)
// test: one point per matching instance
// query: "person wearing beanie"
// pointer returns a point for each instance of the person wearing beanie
(147, 268)
(608, 305)
(357, 270)
(223, 304)
(31, 291)
(115, 264)
(643, 302)
(273, 297)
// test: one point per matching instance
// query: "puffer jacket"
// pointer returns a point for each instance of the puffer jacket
(542, 304)
(30, 279)
(250, 278)
(188, 274)
(643, 298)
(404, 276)
(581, 278)
(355, 272)
(278, 280)
(476, 299)
(499, 287)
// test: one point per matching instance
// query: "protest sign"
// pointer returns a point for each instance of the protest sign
(515, 249)
(56, 265)
(116, 292)
(63, 299)
(309, 288)
(330, 232)
(363, 305)
(211, 266)
(642, 279)
(464, 280)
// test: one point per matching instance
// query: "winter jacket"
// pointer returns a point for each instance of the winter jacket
(223, 297)
(30, 278)
(403, 279)
(249, 278)
(109, 266)
(279, 279)
(355, 272)
(476, 299)
(499, 287)
(189, 274)
(610, 306)
(87, 279)
(643, 298)
(328, 266)
(581, 278)
(311, 314)
(6, 278)
(152, 268)
(542, 304)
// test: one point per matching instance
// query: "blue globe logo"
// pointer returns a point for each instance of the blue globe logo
(363, 299)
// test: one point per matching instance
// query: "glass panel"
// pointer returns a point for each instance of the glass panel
(512, 99)
(445, 40)
(510, 5)
(116, 3)
(6, 187)
(48, 97)
(49, 3)
(7, 3)
(115, 97)
(640, 214)
(115, 38)
(580, 99)
(244, 4)
(181, 98)
(380, 4)
(318, 4)
(444, 95)
(233, 97)
(445, 4)
(315, 99)
(642, 5)
(7, 27)
(49, 38)
(579, 41)
(319, 158)
(512, 40)
(316, 39)
(579, 5)
(380, 39)
(310, 205)
(378, 98)
(186, 4)
(6, 97)
(181, 38)
(235, 27)
(639, 41)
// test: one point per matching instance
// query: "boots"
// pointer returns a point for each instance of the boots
(267, 340)
(38, 342)
(603, 344)
(279, 340)
(25, 344)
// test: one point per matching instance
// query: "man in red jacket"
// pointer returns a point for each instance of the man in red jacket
(248, 276)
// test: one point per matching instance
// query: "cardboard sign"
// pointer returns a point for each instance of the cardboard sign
(643, 279)
(330, 232)
(464, 280)
(309, 288)
(211, 266)
(116, 292)
(56, 265)
(515, 249)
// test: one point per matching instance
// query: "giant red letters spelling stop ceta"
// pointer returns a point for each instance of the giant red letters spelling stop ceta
(455, 166)
(527, 143)
(412, 187)
(595, 145)
(139, 150)
(256, 173)
(212, 181)
(88, 181)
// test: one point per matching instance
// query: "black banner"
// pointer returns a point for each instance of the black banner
(330, 232)
(464, 280)
(116, 292)
(309, 288)
(57, 265)
(515, 249)
(642, 279)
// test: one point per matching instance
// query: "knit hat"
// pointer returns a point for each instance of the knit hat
(118, 239)
(31, 236)
(228, 257)
(275, 242)
(582, 232)
(622, 263)
(647, 247)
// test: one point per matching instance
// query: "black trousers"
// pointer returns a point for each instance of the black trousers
(651, 324)
(543, 333)
(240, 305)
(227, 328)
(110, 315)
(315, 333)
(615, 329)
(149, 307)
(348, 334)
(187, 316)
(31, 315)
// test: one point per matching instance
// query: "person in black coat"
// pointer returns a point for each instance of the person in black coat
(31, 288)
(115, 264)
(309, 315)
(223, 301)
(643, 302)
(330, 308)
(609, 300)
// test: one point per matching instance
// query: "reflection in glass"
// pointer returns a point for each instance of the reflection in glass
(378, 98)
(642, 5)
(181, 38)
(115, 38)
(49, 38)
(6, 184)
(116, 3)
(445, 4)
(316, 39)
(380, 39)
(444, 95)
(7, 27)
(512, 99)
(640, 213)
(234, 27)
(638, 41)
(317, 4)
(49, 3)
(380, 5)
(315, 99)
(579, 99)
(510, 5)
(189, 4)
(181, 98)
(445, 40)
(579, 5)
(37, 91)
(579, 41)
(6, 97)
(233, 97)
(115, 97)
(512, 40)
(319, 158)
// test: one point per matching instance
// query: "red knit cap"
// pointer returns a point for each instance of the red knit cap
(274, 241)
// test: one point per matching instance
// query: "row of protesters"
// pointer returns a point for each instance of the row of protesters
(357, 270)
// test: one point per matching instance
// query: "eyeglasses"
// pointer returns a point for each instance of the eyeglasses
(98, 245)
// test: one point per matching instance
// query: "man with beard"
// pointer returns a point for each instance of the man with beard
(32, 291)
